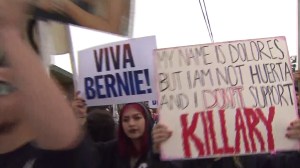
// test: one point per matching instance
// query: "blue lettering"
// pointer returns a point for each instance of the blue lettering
(110, 82)
(123, 84)
(88, 85)
(99, 86)
(131, 82)
(138, 82)
(118, 84)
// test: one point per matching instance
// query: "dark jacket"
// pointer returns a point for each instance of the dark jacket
(254, 161)
(285, 159)
(279, 160)
(110, 152)
(110, 158)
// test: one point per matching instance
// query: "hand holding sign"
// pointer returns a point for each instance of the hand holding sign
(79, 106)
(293, 130)
(160, 134)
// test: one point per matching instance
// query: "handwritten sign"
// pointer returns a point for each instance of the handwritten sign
(230, 98)
(117, 73)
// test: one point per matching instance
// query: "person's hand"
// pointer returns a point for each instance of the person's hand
(79, 106)
(160, 134)
(293, 130)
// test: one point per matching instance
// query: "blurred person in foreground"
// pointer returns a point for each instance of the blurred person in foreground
(37, 125)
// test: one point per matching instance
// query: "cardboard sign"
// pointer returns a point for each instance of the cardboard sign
(230, 98)
(113, 16)
(117, 73)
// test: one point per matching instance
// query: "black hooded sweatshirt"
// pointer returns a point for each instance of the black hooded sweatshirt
(111, 158)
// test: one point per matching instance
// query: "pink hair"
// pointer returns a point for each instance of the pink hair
(125, 144)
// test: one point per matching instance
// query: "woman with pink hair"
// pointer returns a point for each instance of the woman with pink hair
(133, 149)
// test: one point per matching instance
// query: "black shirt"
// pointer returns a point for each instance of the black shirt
(85, 155)
(19, 157)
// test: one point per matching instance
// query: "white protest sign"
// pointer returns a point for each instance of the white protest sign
(117, 73)
(153, 104)
(230, 98)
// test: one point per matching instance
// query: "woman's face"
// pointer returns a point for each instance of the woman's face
(133, 123)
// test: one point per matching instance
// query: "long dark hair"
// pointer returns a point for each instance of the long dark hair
(126, 147)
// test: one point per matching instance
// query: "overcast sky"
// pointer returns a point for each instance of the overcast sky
(180, 22)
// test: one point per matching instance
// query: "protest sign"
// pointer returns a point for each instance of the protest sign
(153, 104)
(117, 73)
(113, 16)
(223, 99)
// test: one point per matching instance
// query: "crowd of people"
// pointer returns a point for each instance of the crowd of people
(39, 128)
